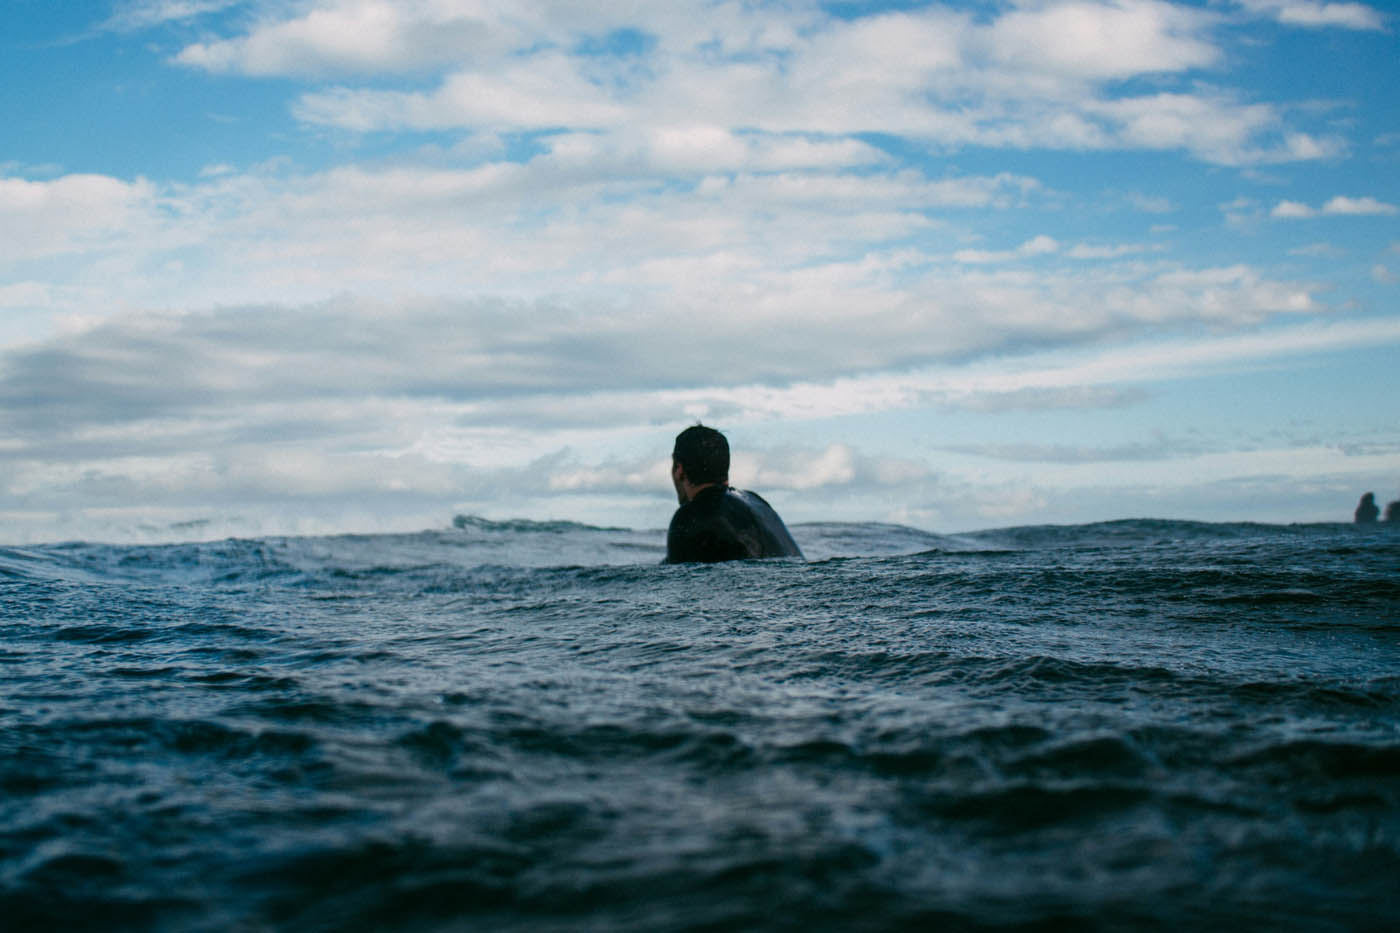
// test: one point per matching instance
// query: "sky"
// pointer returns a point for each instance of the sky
(309, 266)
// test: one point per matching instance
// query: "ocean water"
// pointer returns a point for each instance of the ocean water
(521, 726)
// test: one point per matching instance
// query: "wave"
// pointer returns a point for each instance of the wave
(533, 725)
(1153, 553)
(525, 525)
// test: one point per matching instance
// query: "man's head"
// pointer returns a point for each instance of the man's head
(700, 458)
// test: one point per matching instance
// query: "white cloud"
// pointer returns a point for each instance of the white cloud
(588, 217)
(31, 294)
(641, 214)
(1317, 249)
(1151, 204)
(1102, 40)
(353, 36)
(1040, 74)
(1338, 206)
(71, 213)
(1160, 449)
(546, 91)
(1079, 38)
(704, 150)
(143, 14)
(1366, 205)
(834, 466)
(149, 383)
(1212, 126)
(1041, 245)
(638, 477)
(1292, 210)
(1317, 13)
(1103, 251)
(245, 410)
(1241, 212)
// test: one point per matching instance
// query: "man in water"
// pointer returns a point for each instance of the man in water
(716, 521)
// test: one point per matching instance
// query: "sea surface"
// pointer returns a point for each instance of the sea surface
(522, 726)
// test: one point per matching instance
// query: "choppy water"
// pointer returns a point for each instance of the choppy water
(1143, 725)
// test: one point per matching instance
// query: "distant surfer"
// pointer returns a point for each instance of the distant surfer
(1366, 510)
(716, 521)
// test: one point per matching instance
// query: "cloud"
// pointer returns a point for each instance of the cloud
(71, 214)
(136, 15)
(546, 91)
(1045, 398)
(1076, 454)
(351, 37)
(152, 366)
(1292, 210)
(837, 465)
(1102, 251)
(550, 92)
(1317, 249)
(1338, 206)
(1317, 13)
(377, 37)
(629, 216)
(643, 230)
(635, 477)
(1357, 206)
(160, 384)
(1099, 40)
(1213, 126)
(795, 469)
(1041, 245)
(18, 294)
(1041, 74)
(1079, 38)
(701, 150)
(586, 216)
(1151, 204)
(459, 405)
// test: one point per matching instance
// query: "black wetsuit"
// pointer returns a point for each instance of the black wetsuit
(724, 523)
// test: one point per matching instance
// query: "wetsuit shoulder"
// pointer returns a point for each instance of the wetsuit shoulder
(774, 538)
(701, 532)
(723, 523)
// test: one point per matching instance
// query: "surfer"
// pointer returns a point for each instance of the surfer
(716, 521)
(1366, 510)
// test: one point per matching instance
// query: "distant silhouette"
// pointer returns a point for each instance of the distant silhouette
(1392, 511)
(1366, 510)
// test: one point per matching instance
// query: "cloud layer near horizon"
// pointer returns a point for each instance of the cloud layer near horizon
(470, 405)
